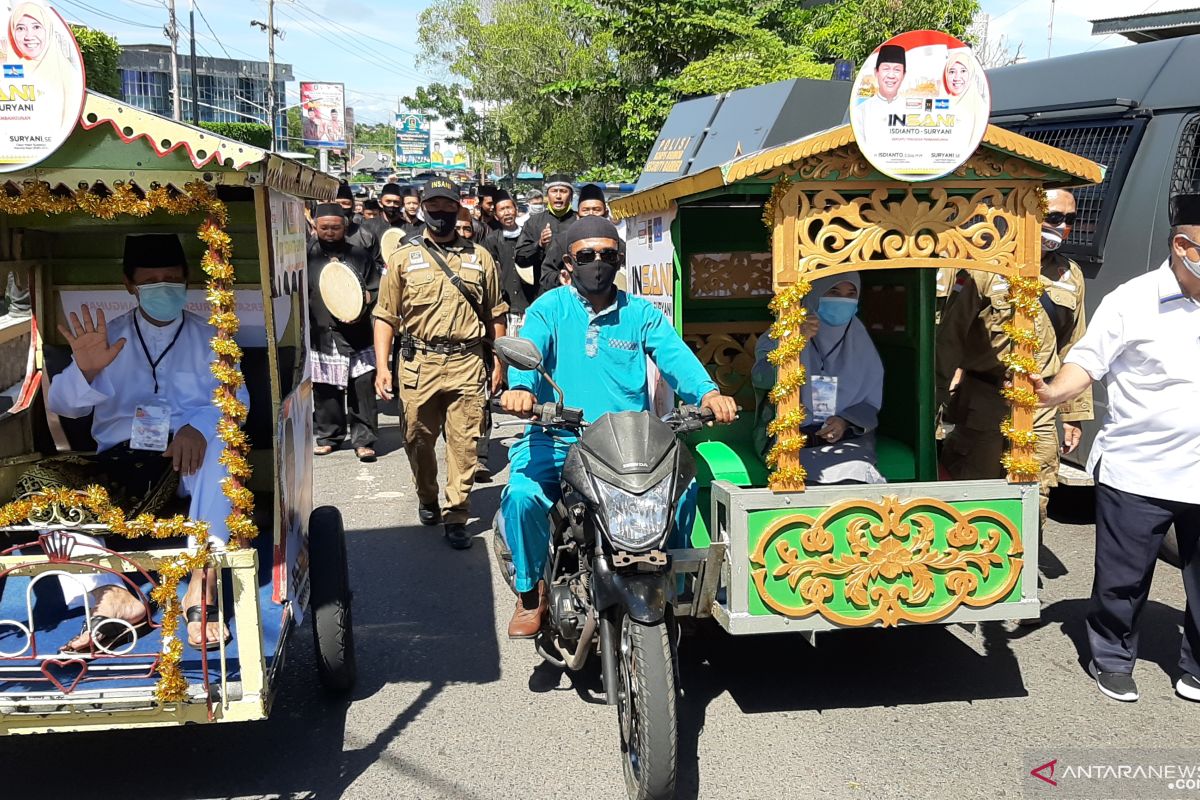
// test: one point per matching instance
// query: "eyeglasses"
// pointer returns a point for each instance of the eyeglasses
(1056, 218)
(587, 255)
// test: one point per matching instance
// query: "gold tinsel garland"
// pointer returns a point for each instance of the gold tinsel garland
(780, 189)
(788, 307)
(1024, 294)
(125, 198)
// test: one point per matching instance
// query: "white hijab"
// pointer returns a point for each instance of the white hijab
(843, 351)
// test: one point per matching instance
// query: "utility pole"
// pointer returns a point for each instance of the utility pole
(269, 28)
(192, 62)
(172, 34)
(1050, 36)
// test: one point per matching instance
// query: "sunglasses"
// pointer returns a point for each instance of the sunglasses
(1056, 218)
(587, 255)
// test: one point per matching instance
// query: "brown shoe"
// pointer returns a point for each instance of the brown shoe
(526, 622)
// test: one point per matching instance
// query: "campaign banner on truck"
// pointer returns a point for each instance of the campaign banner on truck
(323, 114)
(650, 267)
(920, 106)
(43, 87)
(413, 139)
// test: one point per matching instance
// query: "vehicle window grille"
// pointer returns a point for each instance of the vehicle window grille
(1111, 143)
(1185, 177)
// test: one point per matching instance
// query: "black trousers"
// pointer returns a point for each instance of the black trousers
(329, 412)
(1129, 531)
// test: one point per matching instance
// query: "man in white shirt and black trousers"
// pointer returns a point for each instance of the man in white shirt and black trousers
(1144, 343)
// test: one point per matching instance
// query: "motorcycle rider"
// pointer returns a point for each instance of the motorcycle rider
(594, 340)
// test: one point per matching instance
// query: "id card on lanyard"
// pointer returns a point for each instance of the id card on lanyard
(824, 397)
(152, 421)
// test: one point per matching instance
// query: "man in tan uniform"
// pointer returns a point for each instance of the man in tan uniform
(971, 338)
(442, 295)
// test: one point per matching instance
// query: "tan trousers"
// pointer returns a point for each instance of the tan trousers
(439, 392)
(973, 451)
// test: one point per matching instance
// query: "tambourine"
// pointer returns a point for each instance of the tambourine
(342, 291)
(391, 241)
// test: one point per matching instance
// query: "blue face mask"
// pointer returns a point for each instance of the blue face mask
(837, 311)
(162, 301)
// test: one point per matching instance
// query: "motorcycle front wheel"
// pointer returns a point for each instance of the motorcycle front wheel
(646, 709)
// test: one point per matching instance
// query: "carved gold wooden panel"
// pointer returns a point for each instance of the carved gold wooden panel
(729, 276)
(727, 351)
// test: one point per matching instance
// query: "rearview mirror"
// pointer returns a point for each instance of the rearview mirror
(518, 353)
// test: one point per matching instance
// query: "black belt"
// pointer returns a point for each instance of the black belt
(445, 348)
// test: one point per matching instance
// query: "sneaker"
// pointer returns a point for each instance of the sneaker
(1119, 685)
(1188, 687)
(457, 536)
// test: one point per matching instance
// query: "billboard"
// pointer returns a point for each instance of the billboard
(323, 114)
(413, 139)
(42, 94)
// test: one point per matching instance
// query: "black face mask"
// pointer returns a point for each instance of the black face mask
(394, 215)
(441, 223)
(595, 278)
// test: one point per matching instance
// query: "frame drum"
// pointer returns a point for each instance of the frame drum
(342, 291)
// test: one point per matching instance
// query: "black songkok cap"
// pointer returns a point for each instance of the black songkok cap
(591, 228)
(501, 194)
(891, 54)
(488, 191)
(329, 210)
(391, 188)
(410, 191)
(1185, 209)
(344, 192)
(441, 187)
(152, 251)
(560, 179)
(371, 205)
(592, 192)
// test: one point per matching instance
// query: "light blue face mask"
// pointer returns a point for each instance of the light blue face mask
(837, 311)
(162, 301)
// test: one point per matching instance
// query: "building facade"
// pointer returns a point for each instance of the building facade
(229, 90)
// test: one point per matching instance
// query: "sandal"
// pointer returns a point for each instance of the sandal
(107, 632)
(193, 614)
(322, 450)
(365, 454)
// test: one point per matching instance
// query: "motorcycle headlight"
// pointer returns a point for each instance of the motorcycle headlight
(636, 522)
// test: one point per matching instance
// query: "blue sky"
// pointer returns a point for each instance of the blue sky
(371, 46)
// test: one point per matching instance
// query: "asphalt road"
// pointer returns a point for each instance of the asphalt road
(447, 707)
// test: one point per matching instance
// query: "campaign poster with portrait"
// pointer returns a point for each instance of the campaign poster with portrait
(920, 105)
(294, 469)
(323, 114)
(650, 263)
(43, 87)
(289, 264)
(413, 139)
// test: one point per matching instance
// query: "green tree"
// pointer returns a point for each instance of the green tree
(853, 28)
(101, 58)
(255, 134)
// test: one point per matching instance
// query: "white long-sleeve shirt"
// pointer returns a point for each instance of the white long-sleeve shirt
(1144, 343)
(185, 382)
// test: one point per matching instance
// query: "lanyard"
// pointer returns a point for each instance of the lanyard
(832, 350)
(154, 362)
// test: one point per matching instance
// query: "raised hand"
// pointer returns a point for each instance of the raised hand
(89, 343)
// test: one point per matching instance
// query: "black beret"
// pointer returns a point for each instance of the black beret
(591, 192)
(154, 251)
(591, 228)
(891, 54)
(391, 188)
(344, 192)
(329, 210)
(1185, 209)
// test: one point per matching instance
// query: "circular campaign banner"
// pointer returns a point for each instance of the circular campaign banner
(920, 105)
(42, 87)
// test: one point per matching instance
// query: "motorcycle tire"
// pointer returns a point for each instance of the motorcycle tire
(646, 709)
(329, 601)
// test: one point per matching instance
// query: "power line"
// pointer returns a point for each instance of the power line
(85, 8)
(301, 5)
(357, 33)
(210, 30)
(1109, 36)
(378, 62)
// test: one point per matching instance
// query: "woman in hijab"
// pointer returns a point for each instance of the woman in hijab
(844, 390)
(35, 34)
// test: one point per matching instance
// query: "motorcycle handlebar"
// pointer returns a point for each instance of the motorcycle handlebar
(548, 414)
